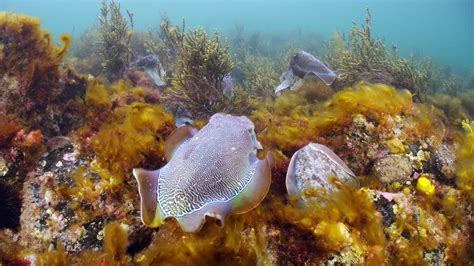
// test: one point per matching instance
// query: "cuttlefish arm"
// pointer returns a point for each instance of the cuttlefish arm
(245, 201)
(287, 80)
(157, 79)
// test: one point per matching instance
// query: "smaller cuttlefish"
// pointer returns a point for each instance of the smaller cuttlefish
(149, 64)
(312, 167)
(301, 65)
(211, 172)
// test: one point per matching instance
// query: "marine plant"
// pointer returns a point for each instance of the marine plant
(115, 34)
(115, 241)
(259, 76)
(173, 39)
(465, 168)
(451, 106)
(365, 57)
(358, 124)
(85, 52)
(101, 99)
(197, 64)
(467, 101)
(165, 41)
(33, 86)
(197, 82)
(133, 136)
(10, 125)
(291, 121)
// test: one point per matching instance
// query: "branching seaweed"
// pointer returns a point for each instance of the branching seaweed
(260, 76)
(366, 58)
(173, 38)
(202, 65)
(115, 39)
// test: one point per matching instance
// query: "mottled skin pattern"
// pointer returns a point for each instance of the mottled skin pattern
(303, 63)
(149, 61)
(214, 165)
(312, 166)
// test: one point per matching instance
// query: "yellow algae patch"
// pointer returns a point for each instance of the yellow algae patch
(134, 136)
(395, 146)
(465, 169)
(425, 186)
(336, 234)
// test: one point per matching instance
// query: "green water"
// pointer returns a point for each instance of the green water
(441, 29)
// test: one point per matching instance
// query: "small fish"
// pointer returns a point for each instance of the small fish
(211, 172)
(149, 64)
(312, 166)
(301, 65)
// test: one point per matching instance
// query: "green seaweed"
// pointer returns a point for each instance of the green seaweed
(366, 58)
(115, 34)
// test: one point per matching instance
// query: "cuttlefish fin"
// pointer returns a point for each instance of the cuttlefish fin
(258, 187)
(193, 222)
(178, 137)
(147, 187)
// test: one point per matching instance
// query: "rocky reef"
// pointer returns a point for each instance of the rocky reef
(71, 135)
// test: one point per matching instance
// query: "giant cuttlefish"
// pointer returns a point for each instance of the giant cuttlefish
(301, 65)
(211, 172)
(149, 64)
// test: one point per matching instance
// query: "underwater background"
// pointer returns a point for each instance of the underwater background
(236, 132)
(442, 29)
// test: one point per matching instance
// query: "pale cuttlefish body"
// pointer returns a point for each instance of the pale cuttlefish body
(152, 66)
(312, 167)
(211, 172)
(301, 65)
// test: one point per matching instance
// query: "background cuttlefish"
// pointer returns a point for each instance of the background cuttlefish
(212, 172)
(151, 65)
(301, 65)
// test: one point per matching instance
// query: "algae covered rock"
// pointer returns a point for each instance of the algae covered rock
(443, 161)
(67, 201)
(392, 168)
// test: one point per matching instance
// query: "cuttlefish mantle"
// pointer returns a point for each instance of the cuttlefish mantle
(211, 172)
(303, 64)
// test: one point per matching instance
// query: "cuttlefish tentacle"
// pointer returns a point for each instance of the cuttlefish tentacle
(151, 213)
(157, 79)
